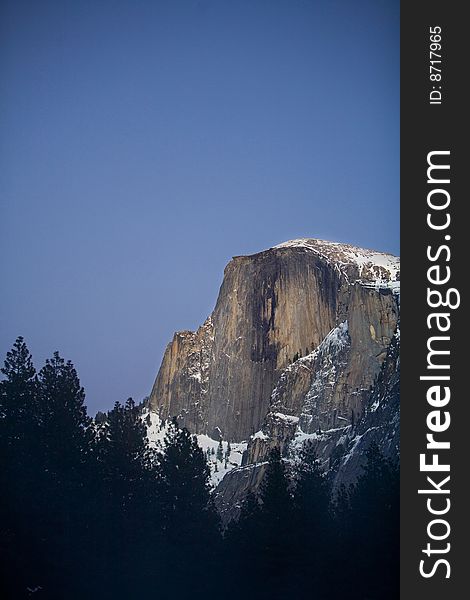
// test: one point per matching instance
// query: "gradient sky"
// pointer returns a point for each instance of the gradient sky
(144, 143)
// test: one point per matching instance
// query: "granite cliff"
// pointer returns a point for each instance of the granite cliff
(302, 344)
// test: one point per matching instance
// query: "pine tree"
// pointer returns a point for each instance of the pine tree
(275, 495)
(243, 551)
(66, 427)
(184, 472)
(19, 467)
(18, 387)
(259, 544)
(18, 409)
(220, 451)
(129, 506)
(341, 511)
(312, 491)
(274, 523)
(375, 502)
(249, 512)
(190, 521)
(100, 418)
(64, 448)
(312, 520)
(124, 456)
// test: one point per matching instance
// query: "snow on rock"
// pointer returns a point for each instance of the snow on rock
(288, 425)
(220, 461)
(287, 418)
(156, 428)
(371, 268)
(231, 455)
(199, 357)
(328, 364)
(337, 339)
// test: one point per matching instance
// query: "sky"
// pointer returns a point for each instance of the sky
(145, 143)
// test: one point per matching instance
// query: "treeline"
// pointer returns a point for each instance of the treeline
(89, 510)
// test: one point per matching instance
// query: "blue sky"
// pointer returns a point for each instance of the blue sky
(144, 143)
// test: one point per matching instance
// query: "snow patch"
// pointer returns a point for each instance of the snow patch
(220, 462)
(378, 270)
(287, 418)
(231, 455)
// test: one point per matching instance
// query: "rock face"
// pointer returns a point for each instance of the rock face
(182, 383)
(300, 337)
(341, 450)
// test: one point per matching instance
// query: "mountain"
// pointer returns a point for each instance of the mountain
(303, 343)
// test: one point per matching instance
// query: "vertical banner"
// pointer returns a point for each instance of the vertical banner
(434, 240)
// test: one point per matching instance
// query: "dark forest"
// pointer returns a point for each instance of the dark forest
(90, 510)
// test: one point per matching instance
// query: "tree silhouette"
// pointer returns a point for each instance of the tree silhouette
(18, 471)
(242, 551)
(312, 522)
(189, 518)
(220, 451)
(64, 447)
(374, 531)
(275, 524)
(127, 495)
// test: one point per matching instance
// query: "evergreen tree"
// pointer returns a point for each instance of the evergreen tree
(129, 499)
(260, 543)
(18, 471)
(123, 450)
(66, 427)
(220, 451)
(312, 521)
(276, 499)
(275, 524)
(341, 512)
(18, 413)
(249, 514)
(17, 389)
(242, 552)
(185, 476)
(47, 438)
(64, 448)
(190, 521)
(374, 534)
(100, 418)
